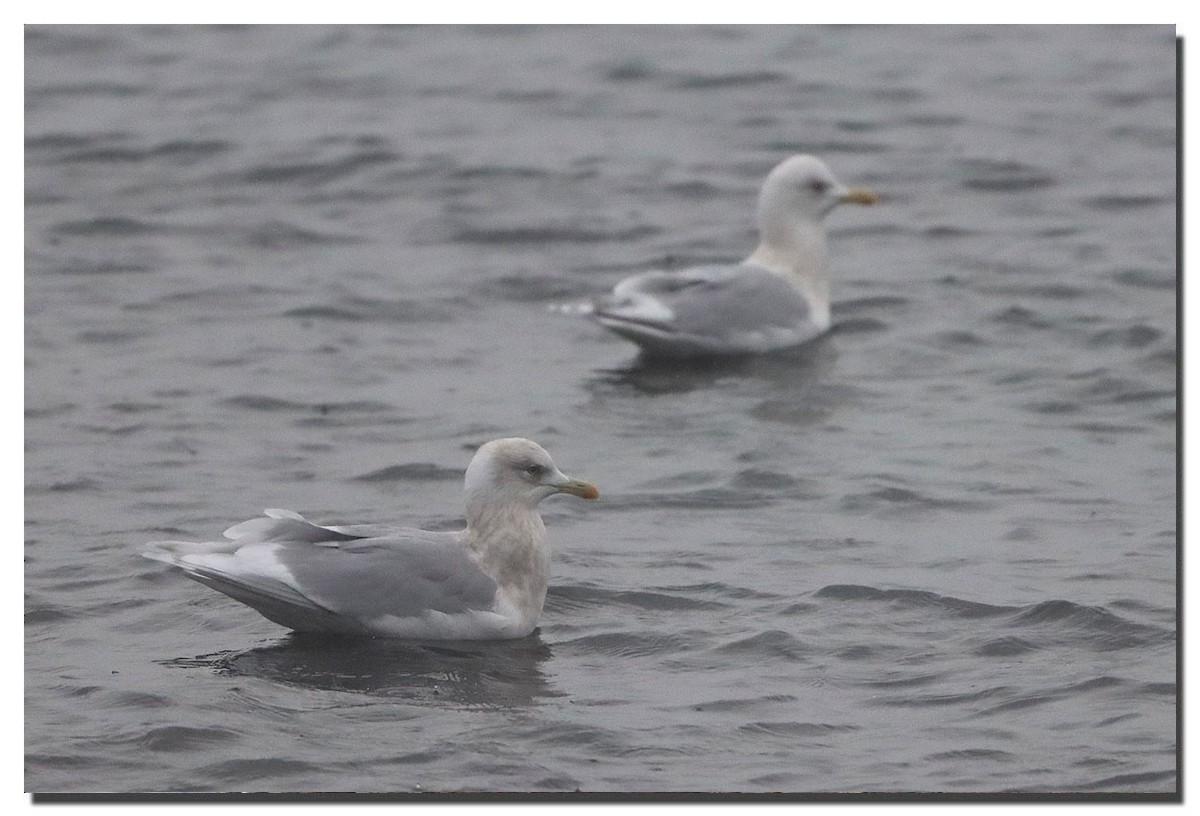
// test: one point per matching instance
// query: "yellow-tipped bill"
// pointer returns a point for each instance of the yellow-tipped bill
(860, 195)
(580, 488)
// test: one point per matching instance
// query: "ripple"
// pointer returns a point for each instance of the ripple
(372, 310)
(1003, 176)
(627, 644)
(179, 738)
(550, 234)
(773, 643)
(792, 730)
(414, 471)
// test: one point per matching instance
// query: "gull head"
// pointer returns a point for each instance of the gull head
(517, 471)
(802, 189)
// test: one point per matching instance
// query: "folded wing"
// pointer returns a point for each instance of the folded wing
(709, 310)
(313, 578)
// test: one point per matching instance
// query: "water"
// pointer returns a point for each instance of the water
(314, 267)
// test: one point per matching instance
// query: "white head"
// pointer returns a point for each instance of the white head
(800, 191)
(516, 471)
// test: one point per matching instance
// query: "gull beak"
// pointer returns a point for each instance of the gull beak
(859, 195)
(577, 487)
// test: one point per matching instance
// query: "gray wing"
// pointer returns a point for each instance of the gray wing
(713, 309)
(314, 578)
(402, 575)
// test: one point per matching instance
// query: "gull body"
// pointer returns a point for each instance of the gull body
(487, 581)
(776, 299)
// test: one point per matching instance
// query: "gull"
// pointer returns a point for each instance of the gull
(776, 299)
(486, 582)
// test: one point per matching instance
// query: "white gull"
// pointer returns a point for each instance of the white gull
(776, 299)
(485, 582)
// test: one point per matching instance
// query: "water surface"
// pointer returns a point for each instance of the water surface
(315, 267)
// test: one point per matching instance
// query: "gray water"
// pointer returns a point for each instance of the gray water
(315, 267)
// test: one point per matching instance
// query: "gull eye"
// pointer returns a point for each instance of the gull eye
(818, 185)
(535, 470)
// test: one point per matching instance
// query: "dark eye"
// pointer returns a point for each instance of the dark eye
(818, 185)
(535, 470)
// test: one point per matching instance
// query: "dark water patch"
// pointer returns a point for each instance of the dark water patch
(759, 479)
(47, 613)
(933, 120)
(945, 232)
(541, 236)
(860, 325)
(108, 227)
(321, 172)
(1108, 428)
(81, 484)
(958, 339)
(1054, 407)
(854, 306)
(129, 407)
(373, 310)
(91, 89)
(708, 499)
(859, 652)
(745, 703)
(88, 267)
(891, 498)
(732, 79)
(69, 141)
(232, 774)
(912, 599)
(1135, 782)
(467, 674)
(1020, 704)
(793, 730)
(413, 472)
(661, 601)
(1136, 336)
(696, 190)
(565, 596)
(1093, 626)
(937, 700)
(262, 402)
(992, 176)
(1161, 689)
(629, 70)
(50, 411)
(1106, 203)
(1005, 647)
(973, 754)
(1146, 279)
(722, 590)
(1045, 291)
(773, 643)
(281, 235)
(110, 337)
(177, 152)
(179, 738)
(899, 94)
(496, 171)
(814, 404)
(911, 681)
(626, 644)
(1021, 317)
(828, 147)
(533, 288)
(137, 700)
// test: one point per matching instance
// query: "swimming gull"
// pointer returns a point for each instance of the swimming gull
(776, 299)
(485, 582)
